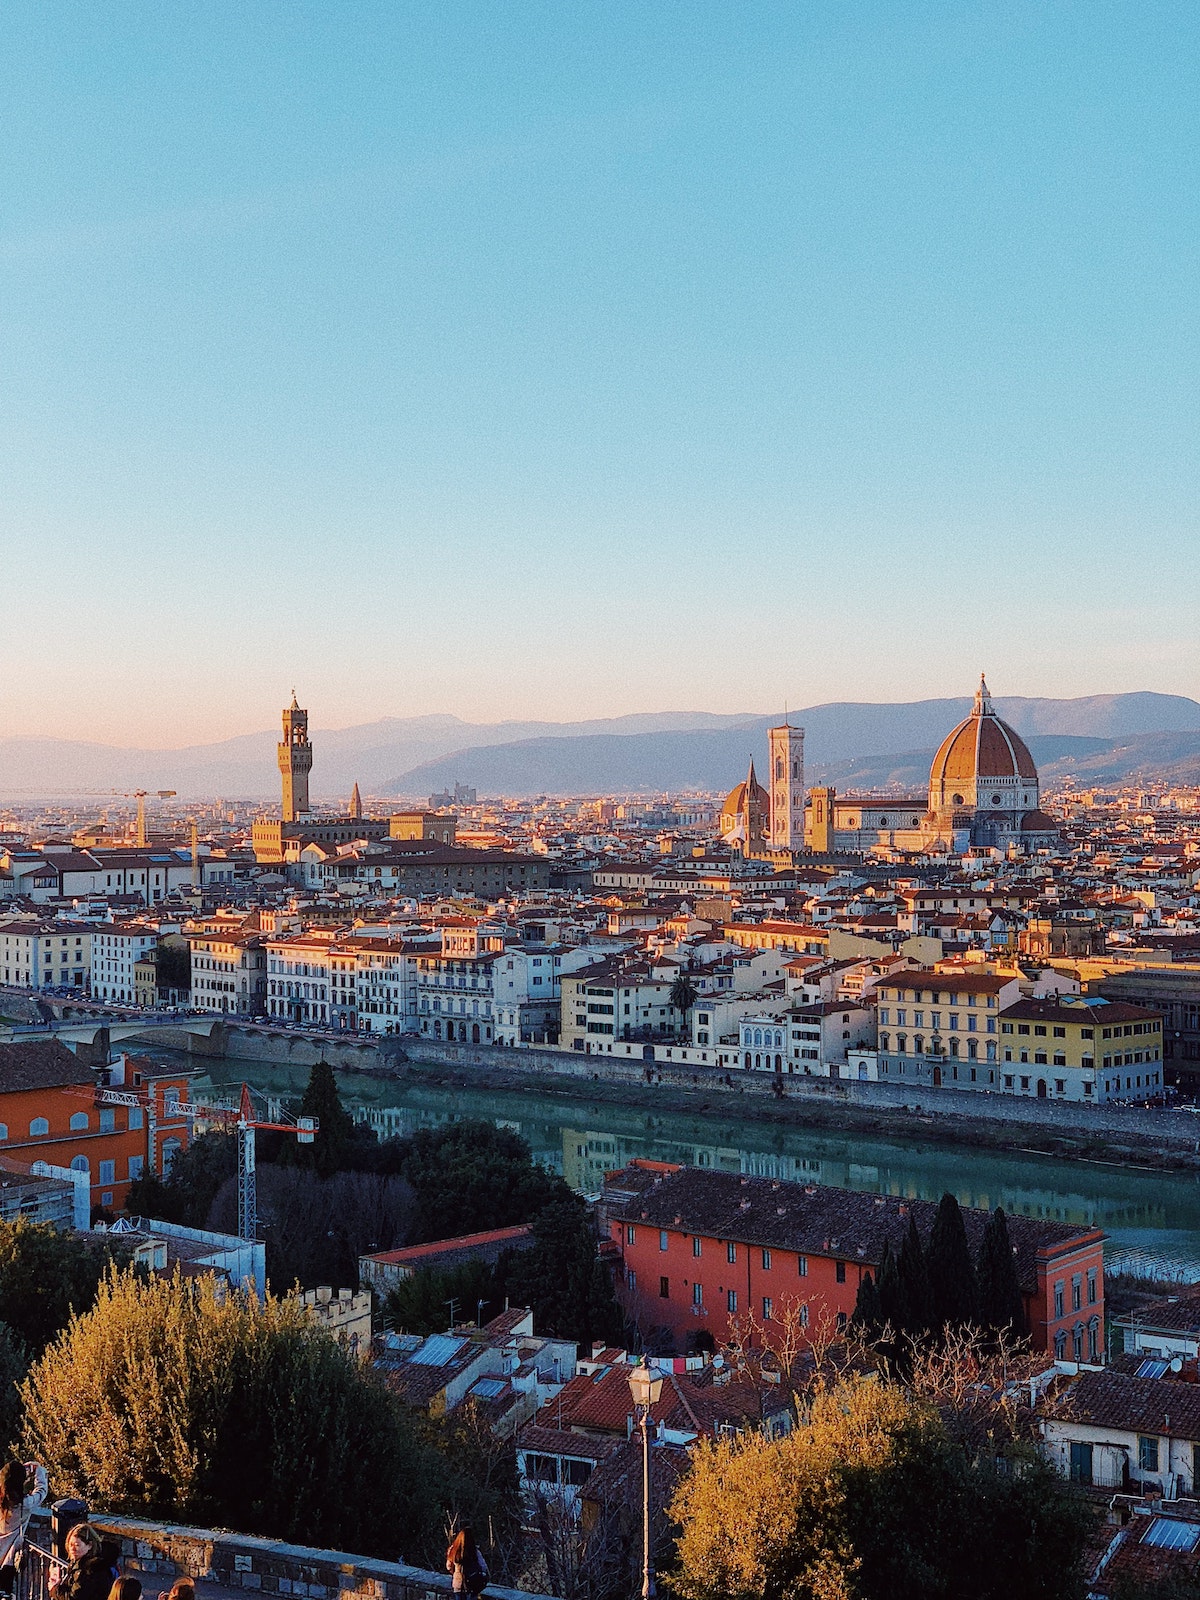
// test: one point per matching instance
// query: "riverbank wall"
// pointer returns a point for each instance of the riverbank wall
(1005, 1119)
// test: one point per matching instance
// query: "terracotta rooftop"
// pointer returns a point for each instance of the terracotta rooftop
(810, 1219)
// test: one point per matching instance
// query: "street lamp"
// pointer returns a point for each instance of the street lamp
(646, 1387)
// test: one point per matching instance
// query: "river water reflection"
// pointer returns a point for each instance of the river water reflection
(1152, 1219)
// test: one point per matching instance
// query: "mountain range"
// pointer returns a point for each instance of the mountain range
(1097, 738)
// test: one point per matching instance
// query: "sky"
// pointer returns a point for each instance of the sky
(515, 359)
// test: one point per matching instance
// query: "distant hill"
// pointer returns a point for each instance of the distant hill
(369, 755)
(860, 743)
(851, 744)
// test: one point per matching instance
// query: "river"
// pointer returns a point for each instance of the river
(1152, 1218)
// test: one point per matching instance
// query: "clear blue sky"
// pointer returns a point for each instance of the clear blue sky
(569, 359)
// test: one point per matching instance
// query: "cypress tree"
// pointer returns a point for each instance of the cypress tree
(1000, 1303)
(335, 1126)
(866, 1307)
(888, 1296)
(915, 1283)
(951, 1270)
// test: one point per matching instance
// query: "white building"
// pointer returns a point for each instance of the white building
(527, 991)
(385, 977)
(43, 955)
(117, 947)
(228, 964)
(300, 976)
(1115, 1431)
(811, 1040)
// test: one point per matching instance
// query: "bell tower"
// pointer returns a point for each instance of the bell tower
(295, 762)
(786, 787)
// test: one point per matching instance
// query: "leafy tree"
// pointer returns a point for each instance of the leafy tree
(479, 1485)
(471, 1176)
(867, 1499)
(563, 1280)
(316, 1228)
(890, 1292)
(169, 1400)
(13, 1367)
(951, 1270)
(187, 1193)
(421, 1304)
(1000, 1302)
(46, 1275)
(174, 963)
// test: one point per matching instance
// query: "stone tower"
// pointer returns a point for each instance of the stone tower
(355, 807)
(786, 787)
(295, 762)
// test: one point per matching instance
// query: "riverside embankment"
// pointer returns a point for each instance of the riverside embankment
(1114, 1133)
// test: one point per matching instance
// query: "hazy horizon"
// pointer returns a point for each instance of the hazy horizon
(332, 729)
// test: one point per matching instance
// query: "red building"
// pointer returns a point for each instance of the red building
(699, 1247)
(113, 1123)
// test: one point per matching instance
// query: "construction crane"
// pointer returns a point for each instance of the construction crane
(140, 796)
(244, 1123)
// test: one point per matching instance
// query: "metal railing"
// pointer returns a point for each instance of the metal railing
(38, 1567)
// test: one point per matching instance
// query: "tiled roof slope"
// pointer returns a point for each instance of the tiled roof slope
(1135, 1405)
(40, 1064)
(810, 1219)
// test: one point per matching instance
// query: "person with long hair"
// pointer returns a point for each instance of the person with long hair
(465, 1560)
(22, 1490)
(126, 1589)
(92, 1566)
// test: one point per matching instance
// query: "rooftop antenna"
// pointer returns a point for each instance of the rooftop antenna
(453, 1304)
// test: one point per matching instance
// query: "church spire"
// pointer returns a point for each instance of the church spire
(355, 808)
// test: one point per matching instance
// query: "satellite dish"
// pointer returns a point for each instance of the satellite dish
(1177, 1365)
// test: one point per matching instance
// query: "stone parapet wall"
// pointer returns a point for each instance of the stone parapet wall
(159, 1553)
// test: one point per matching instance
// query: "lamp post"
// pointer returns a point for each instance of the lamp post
(646, 1387)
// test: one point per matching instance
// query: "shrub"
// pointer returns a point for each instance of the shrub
(194, 1403)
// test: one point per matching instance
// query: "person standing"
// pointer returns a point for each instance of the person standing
(465, 1560)
(22, 1490)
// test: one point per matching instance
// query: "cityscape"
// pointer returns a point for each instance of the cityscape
(599, 804)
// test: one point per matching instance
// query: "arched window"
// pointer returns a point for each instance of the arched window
(757, 1037)
(747, 1059)
(80, 1164)
(901, 1044)
(38, 1128)
(79, 1122)
(778, 1063)
(954, 1047)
